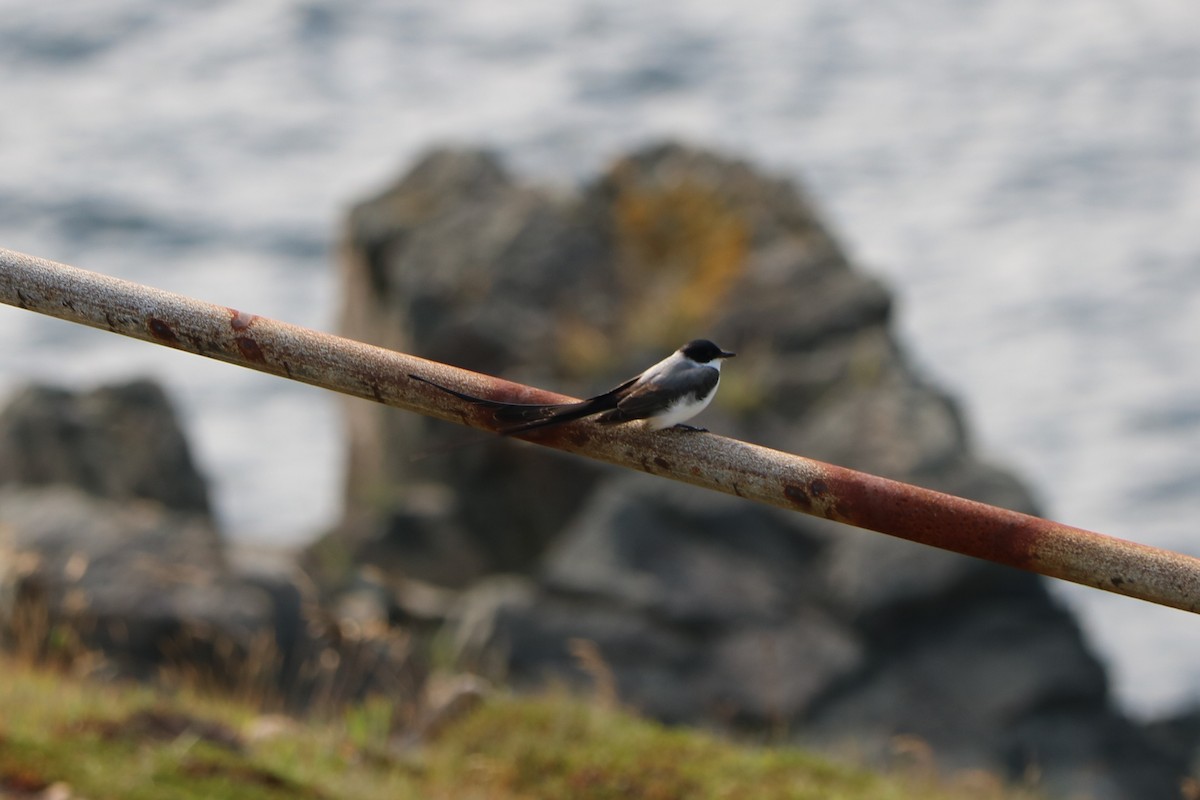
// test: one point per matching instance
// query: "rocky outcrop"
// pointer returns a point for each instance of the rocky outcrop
(109, 561)
(705, 609)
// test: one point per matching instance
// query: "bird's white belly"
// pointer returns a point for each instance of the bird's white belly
(679, 412)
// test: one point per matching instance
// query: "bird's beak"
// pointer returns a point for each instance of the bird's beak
(726, 355)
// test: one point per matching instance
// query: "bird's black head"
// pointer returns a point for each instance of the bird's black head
(703, 351)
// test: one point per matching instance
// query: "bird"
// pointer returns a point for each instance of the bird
(666, 395)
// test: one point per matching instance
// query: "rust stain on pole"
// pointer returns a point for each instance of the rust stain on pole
(714, 462)
(999, 535)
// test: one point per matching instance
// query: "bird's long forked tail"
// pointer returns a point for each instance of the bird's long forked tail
(525, 417)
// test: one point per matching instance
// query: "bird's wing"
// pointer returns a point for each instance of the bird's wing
(647, 400)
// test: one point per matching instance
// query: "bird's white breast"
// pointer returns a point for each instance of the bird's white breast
(681, 411)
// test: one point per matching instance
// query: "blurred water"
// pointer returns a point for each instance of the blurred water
(1024, 173)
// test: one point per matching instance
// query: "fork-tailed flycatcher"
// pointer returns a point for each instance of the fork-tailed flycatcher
(669, 393)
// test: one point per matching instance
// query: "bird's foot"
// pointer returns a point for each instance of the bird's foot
(679, 426)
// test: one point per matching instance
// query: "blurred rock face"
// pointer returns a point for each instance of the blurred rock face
(706, 609)
(460, 263)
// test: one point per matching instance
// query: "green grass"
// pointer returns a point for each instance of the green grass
(131, 742)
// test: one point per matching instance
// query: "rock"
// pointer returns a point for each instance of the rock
(109, 559)
(699, 608)
(686, 556)
(122, 442)
(1180, 734)
(147, 592)
(125, 574)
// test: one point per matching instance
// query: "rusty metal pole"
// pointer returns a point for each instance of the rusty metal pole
(714, 462)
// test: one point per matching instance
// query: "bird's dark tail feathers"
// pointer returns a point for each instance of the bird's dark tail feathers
(524, 417)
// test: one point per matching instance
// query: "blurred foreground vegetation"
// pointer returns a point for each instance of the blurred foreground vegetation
(67, 737)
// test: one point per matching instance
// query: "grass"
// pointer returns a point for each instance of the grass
(123, 741)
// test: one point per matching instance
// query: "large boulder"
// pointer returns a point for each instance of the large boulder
(704, 608)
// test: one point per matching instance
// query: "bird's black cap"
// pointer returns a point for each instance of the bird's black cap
(703, 351)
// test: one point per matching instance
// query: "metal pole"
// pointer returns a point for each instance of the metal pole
(714, 462)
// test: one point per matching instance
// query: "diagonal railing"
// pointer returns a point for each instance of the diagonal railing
(714, 462)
